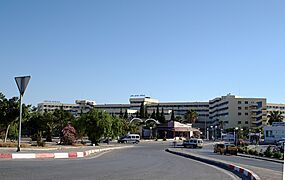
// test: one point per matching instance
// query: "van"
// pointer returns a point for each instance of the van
(130, 138)
(193, 143)
(225, 148)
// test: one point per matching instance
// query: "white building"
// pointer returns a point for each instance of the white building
(275, 132)
(276, 107)
(233, 111)
(80, 106)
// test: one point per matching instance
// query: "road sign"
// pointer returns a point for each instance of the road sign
(22, 83)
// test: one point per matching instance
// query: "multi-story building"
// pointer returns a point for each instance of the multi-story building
(233, 111)
(151, 105)
(276, 107)
(224, 112)
(80, 106)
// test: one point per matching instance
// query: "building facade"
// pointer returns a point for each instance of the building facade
(222, 112)
(233, 111)
(276, 107)
(80, 106)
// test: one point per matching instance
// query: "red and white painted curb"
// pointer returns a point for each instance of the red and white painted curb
(62, 155)
(246, 172)
(239, 170)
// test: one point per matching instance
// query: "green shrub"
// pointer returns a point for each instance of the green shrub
(277, 155)
(240, 150)
(255, 153)
(250, 152)
(41, 143)
(268, 152)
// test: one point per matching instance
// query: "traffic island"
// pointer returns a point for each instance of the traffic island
(239, 171)
(58, 155)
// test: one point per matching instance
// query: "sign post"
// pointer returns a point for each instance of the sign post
(22, 83)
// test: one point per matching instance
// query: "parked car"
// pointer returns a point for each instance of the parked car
(193, 143)
(225, 149)
(130, 138)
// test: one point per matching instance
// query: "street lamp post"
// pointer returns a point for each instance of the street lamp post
(221, 134)
(205, 129)
(235, 135)
(207, 133)
(211, 132)
(215, 131)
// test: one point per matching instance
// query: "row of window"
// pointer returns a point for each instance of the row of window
(240, 102)
(217, 110)
(219, 105)
(240, 108)
(246, 122)
(276, 107)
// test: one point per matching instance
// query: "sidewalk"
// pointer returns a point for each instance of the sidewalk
(261, 158)
(261, 173)
(58, 152)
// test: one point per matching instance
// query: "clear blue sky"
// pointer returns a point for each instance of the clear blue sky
(170, 50)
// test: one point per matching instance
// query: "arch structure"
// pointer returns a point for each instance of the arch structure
(136, 119)
(140, 120)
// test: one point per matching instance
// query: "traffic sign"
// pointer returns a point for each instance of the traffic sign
(22, 83)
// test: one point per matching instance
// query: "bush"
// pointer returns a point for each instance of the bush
(277, 155)
(250, 152)
(13, 144)
(41, 143)
(268, 152)
(240, 150)
(255, 153)
(69, 135)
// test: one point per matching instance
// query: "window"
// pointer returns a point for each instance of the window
(246, 102)
(246, 114)
(246, 108)
(239, 102)
(239, 122)
(239, 108)
(239, 113)
(246, 122)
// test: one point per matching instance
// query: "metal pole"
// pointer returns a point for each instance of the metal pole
(234, 136)
(205, 128)
(20, 125)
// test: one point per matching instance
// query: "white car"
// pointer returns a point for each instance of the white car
(130, 138)
(193, 143)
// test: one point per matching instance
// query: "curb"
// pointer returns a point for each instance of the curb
(265, 159)
(240, 171)
(64, 155)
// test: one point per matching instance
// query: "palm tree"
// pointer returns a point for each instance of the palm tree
(275, 116)
(191, 116)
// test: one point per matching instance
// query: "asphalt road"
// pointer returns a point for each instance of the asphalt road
(208, 151)
(145, 161)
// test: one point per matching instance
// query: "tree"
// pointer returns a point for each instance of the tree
(117, 128)
(157, 113)
(153, 116)
(61, 118)
(162, 117)
(126, 114)
(69, 135)
(172, 118)
(191, 116)
(142, 110)
(121, 115)
(275, 116)
(50, 125)
(36, 126)
(9, 114)
(98, 124)
(178, 118)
